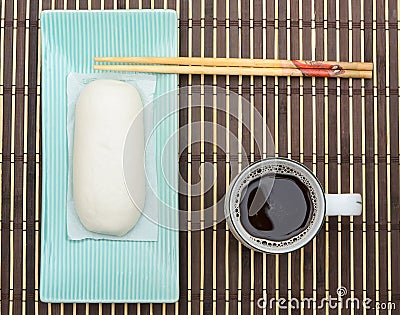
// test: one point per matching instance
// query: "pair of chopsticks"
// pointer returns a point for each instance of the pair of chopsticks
(237, 66)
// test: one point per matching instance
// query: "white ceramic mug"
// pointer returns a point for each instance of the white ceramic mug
(323, 204)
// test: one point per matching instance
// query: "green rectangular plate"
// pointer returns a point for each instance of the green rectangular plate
(104, 270)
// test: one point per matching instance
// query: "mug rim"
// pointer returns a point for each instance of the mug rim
(275, 250)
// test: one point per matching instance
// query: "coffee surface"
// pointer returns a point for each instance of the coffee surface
(276, 212)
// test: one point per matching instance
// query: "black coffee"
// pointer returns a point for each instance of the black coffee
(279, 213)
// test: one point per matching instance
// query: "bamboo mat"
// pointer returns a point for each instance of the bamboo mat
(346, 131)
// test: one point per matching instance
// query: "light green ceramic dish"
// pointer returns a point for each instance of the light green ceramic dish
(101, 270)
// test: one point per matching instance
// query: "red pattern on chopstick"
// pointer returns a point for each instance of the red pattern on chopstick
(317, 68)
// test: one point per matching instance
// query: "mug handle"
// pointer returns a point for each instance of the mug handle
(343, 204)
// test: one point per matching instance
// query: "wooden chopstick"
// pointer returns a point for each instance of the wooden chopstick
(239, 62)
(316, 72)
